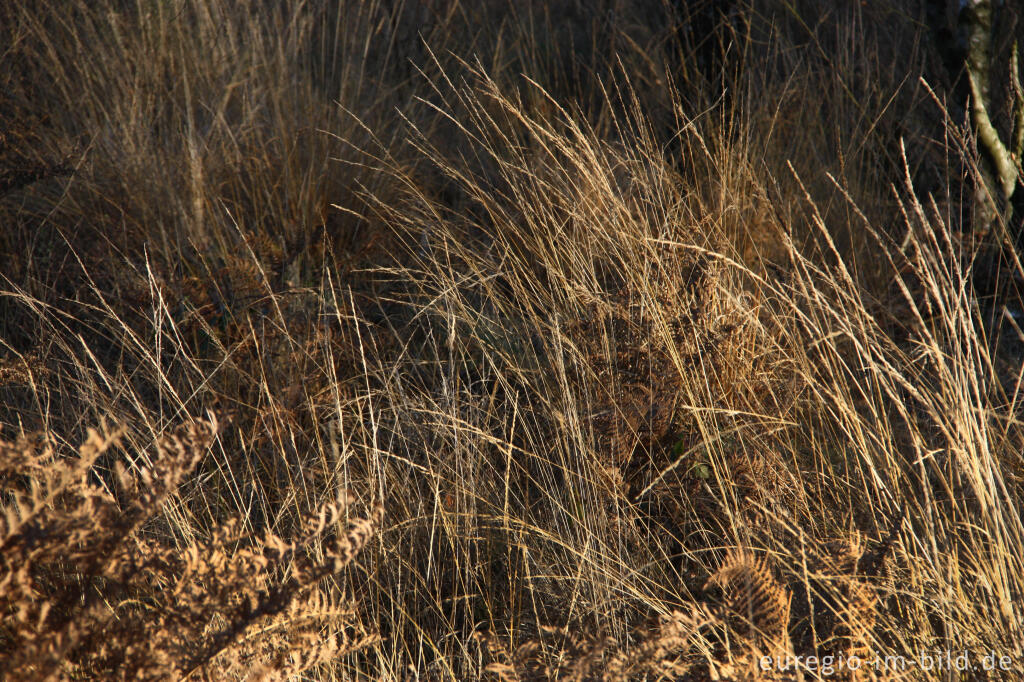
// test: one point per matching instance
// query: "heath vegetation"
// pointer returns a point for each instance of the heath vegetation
(509, 340)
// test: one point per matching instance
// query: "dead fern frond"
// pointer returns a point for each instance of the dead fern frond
(83, 593)
(756, 604)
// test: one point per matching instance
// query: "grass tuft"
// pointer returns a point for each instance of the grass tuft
(634, 340)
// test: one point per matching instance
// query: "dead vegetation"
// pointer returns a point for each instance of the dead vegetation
(86, 592)
(664, 355)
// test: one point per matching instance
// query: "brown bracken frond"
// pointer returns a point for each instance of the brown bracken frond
(756, 604)
(84, 593)
(835, 613)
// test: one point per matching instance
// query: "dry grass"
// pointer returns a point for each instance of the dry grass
(86, 595)
(545, 342)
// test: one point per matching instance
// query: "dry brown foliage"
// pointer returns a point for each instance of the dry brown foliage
(644, 316)
(85, 592)
(744, 618)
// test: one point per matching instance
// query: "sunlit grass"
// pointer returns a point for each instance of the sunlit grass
(653, 373)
